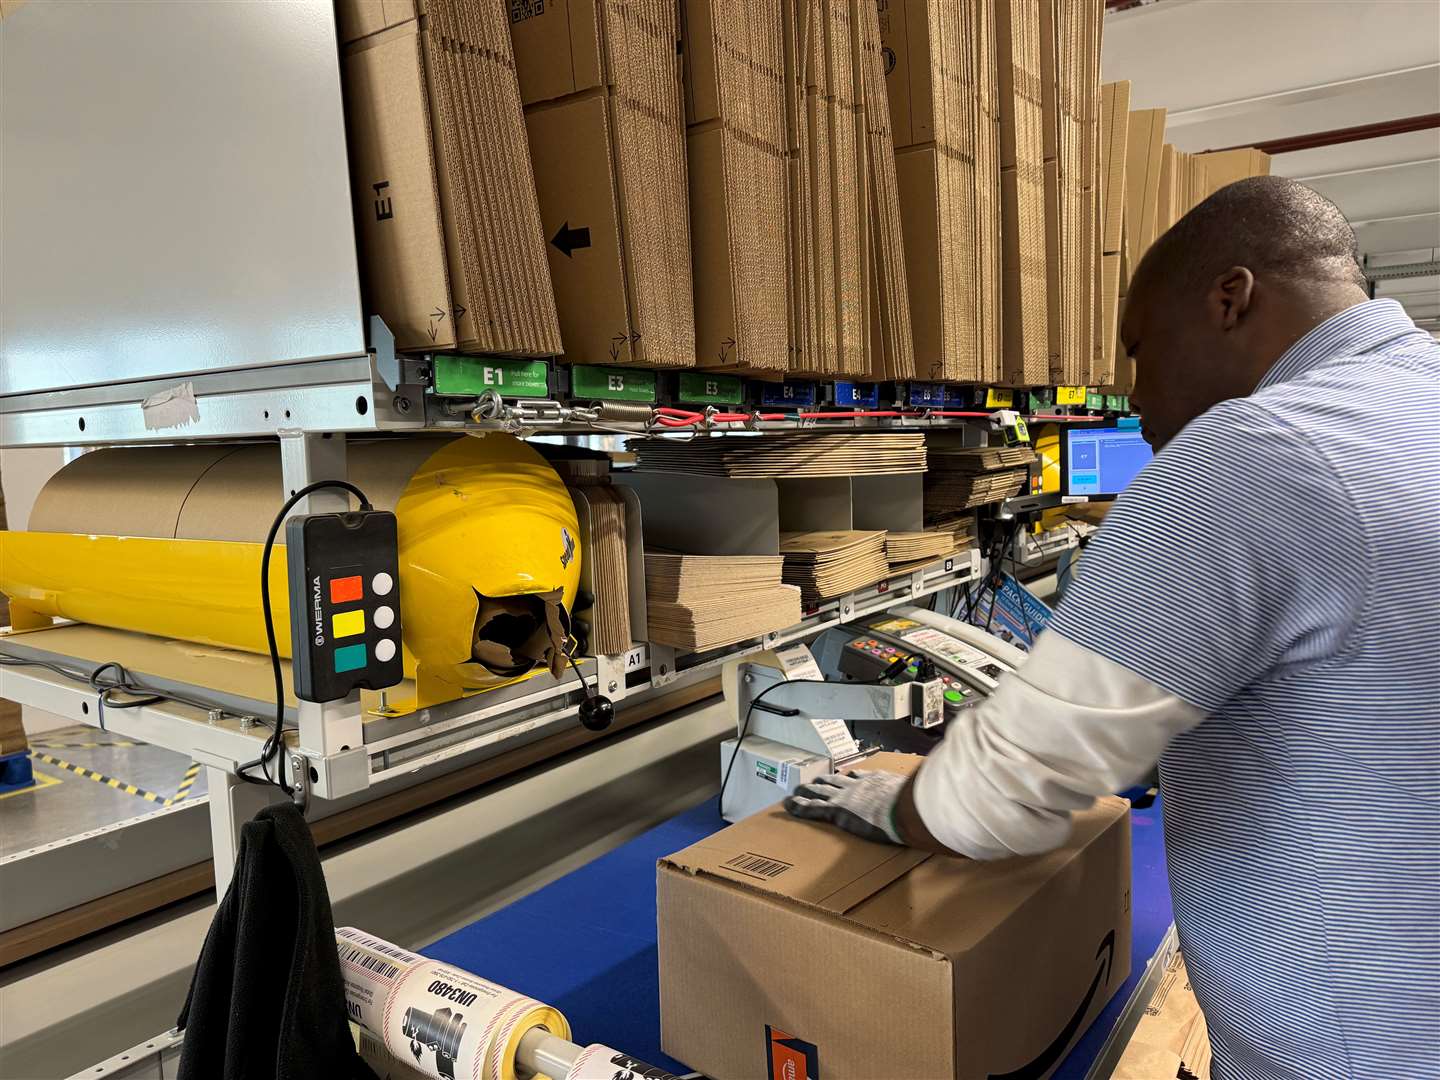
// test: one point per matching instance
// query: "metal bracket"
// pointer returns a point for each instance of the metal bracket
(662, 665)
(382, 344)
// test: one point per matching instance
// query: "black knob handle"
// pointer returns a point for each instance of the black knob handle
(597, 713)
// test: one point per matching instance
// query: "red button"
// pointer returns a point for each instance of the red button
(345, 589)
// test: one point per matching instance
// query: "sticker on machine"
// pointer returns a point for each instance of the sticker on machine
(893, 626)
(790, 1058)
(797, 663)
(598, 1062)
(941, 644)
(839, 743)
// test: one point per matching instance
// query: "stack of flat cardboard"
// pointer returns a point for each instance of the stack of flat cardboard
(1114, 137)
(1227, 166)
(962, 527)
(849, 298)
(734, 60)
(452, 251)
(979, 458)
(1159, 184)
(701, 602)
(945, 493)
(892, 342)
(962, 479)
(1070, 91)
(785, 455)
(1026, 330)
(945, 111)
(602, 514)
(905, 551)
(829, 564)
(604, 111)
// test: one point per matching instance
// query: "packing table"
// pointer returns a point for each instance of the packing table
(586, 942)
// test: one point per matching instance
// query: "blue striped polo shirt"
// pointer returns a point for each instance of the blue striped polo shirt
(1276, 567)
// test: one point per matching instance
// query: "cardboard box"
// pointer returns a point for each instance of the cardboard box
(782, 940)
(12, 731)
(1171, 1038)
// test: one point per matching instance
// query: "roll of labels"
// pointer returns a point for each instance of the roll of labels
(415, 1017)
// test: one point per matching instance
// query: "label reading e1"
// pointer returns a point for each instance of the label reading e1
(470, 376)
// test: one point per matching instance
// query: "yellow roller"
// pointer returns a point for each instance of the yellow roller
(166, 541)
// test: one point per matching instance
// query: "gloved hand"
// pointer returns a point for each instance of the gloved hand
(862, 803)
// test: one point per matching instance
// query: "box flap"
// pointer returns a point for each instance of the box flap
(814, 864)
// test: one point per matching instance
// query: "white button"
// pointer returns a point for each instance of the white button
(384, 650)
(383, 618)
(381, 584)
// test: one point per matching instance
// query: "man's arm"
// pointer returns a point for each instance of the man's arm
(1203, 580)
(1067, 726)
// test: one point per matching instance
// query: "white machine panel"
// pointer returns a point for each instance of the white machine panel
(176, 195)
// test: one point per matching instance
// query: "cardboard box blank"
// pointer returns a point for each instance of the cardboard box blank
(446, 213)
(946, 107)
(605, 118)
(1026, 313)
(1144, 155)
(736, 143)
(948, 967)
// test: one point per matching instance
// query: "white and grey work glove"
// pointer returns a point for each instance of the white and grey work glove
(862, 803)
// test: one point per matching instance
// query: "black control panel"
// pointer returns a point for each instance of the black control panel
(865, 658)
(344, 603)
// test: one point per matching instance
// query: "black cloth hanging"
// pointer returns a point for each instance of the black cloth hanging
(267, 1001)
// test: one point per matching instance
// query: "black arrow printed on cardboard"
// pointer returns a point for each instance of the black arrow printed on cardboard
(1105, 954)
(567, 239)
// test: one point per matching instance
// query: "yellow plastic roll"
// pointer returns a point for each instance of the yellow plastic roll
(167, 541)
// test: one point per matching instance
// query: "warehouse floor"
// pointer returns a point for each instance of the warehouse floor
(86, 779)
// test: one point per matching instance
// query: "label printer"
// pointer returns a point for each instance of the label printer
(890, 681)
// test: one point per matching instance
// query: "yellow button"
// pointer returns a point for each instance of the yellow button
(348, 623)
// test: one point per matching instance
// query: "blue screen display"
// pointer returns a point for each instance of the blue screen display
(1103, 461)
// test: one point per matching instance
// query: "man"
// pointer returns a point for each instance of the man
(1260, 608)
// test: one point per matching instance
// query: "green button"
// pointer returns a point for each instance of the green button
(350, 658)
(954, 696)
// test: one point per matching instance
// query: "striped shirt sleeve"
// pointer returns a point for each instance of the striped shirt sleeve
(1234, 555)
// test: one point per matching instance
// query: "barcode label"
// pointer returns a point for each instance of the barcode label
(374, 944)
(370, 962)
(520, 10)
(758, 866)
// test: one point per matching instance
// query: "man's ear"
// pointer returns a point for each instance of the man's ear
(1229, 296)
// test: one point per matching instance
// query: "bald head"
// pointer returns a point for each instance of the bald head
(1277, 228)
(1221, 296)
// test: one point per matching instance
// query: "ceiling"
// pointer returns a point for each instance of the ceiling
(1233, 74)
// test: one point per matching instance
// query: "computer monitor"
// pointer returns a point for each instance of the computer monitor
(1098, 463)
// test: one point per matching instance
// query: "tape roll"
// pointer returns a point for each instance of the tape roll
(436, 1019)
(597, 1062)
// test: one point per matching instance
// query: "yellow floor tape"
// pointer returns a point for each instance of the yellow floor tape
(41, 782)
(101, 778)
(187, 783)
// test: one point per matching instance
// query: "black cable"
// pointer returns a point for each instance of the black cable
(277, 734)
(123, 683)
